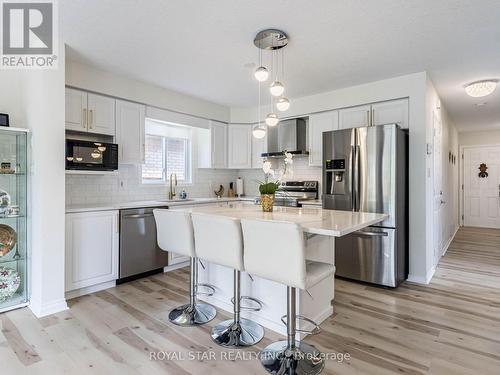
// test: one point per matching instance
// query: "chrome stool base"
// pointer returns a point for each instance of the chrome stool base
(191, 315)
(231, 334)
(304, 359)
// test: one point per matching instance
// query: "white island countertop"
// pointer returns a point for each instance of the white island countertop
(153, 203)
(312, 220)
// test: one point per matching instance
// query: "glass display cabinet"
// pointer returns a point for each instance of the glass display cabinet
(14, 226)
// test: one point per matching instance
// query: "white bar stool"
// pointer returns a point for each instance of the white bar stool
(175, 233)
(219, 240)
(276, 251)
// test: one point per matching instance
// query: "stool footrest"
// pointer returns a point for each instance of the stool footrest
(314, 331)
(257, 302)
(210, 290)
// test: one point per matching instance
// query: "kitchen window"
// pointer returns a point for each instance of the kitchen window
(167, 150)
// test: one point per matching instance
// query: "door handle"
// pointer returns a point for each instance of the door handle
(137, 216)
(443, 202)
(371, 234)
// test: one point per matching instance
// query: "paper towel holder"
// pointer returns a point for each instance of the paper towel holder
(239, 187)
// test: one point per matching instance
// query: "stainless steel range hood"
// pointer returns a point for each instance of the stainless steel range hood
(288, 135)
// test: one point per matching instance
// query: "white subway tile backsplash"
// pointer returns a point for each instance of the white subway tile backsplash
(127, 186)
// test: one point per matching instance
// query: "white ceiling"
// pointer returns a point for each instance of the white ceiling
(203, 48)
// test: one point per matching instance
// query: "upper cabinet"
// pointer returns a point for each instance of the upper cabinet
(101, 114)
(218, 141)
(355, 117)
(259, 146)
(239, 146)
(212, 146)
(90, 113)
(76, 110)
(130, 123)
(391, 112)
(318, 124)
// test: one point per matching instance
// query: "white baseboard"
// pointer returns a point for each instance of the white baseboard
(423, 280)
(90, 289)
(176, 266)
(447, 245)
(41, 310)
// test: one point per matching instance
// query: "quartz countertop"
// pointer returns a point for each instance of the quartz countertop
(312, 220)
(153, 203)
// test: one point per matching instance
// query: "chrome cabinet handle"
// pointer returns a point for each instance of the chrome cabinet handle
(84, 122)
(90, 119)
(371, 234)
(368, 118)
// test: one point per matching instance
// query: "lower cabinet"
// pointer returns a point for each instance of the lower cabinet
(92, 247)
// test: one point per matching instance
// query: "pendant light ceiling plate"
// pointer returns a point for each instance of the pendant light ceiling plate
(271, 39)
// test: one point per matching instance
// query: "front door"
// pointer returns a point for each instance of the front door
(482, 192)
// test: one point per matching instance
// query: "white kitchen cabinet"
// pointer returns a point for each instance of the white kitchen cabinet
(101, 114)
(239, 146)
(391, 112)
(259, 146)
(212, 146)
(76, 110)
(354, 117)
(318, 124)
(130, 129)
(89, 113)
(218, 141)
(91, 248)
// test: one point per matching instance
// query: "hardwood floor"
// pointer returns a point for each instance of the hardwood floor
(451, 326)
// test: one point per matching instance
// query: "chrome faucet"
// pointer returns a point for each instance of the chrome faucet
(173, 184)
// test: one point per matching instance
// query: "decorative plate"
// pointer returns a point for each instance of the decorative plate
(4, 201)
(9, 283)
(8, 239)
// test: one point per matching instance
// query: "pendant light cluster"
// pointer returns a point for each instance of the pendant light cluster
(271, 40)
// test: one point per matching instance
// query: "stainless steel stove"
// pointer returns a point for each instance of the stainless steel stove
(291, 193)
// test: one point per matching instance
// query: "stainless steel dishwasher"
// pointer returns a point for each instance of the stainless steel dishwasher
(139, 251)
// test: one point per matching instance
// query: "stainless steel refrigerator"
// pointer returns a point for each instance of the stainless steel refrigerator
(365, 169)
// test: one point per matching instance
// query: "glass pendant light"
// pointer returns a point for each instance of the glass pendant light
(261, 74)
(272, 119)
(282, 104)
(277, 88)
(259, 131)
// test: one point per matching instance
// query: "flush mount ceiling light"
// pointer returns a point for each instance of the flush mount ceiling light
(271, 40)
(479, 89)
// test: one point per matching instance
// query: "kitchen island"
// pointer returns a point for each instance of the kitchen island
(320, 229)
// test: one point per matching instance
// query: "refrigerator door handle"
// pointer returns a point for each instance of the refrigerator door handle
(356, 182)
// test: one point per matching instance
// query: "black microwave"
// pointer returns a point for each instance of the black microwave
(91, 156)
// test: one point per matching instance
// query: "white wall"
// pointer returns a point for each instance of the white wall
(449, 179)
(35, 100)
(473, 138)
(92, 79)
